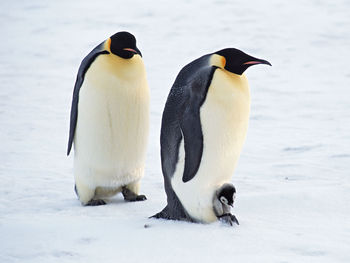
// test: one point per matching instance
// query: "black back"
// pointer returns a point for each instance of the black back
(181, 120)
(84, 66)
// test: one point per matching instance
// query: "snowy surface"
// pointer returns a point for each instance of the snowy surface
(293, 184)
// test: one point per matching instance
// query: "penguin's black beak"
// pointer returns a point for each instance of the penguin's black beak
(256, 61)
(133, 50)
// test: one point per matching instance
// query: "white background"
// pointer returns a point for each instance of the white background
(292, 180)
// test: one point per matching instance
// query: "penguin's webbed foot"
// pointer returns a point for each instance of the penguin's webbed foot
(141, 198)
(97, 202)
(131, 196)
(228, 219)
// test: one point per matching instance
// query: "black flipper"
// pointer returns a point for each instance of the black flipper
(190, 122)
(181, 117)
(181, 120)
(84, 66)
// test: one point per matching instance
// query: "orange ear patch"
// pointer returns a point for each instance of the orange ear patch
(217, 60)
(108, 44)
(223, 62)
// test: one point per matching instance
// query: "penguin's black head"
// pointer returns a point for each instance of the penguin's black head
(123, 44)
(226, 194)
(237, 61)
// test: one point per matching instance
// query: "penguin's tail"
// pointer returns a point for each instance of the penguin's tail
(164, 214)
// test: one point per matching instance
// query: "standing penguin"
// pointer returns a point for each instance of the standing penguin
(204, 126)
(109, 121)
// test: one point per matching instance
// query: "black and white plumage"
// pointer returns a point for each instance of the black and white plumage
(204, 126)
(110, 121)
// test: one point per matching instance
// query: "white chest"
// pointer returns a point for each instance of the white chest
(113, 119)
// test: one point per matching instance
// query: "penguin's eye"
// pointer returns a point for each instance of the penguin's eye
(223, 200)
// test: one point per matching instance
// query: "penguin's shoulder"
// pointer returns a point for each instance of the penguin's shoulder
(88, 60)
(195, 78)
(84, 66)
(195, 73)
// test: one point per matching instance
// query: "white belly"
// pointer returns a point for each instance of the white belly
(112, 128)
(224, 118)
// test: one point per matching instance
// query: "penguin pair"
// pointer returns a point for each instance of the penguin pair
(204, 125)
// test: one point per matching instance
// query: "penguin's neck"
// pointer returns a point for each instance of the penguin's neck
(122, 68)
(238, 81)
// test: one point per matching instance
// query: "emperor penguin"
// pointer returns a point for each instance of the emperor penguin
(109, 121)
(204, 125)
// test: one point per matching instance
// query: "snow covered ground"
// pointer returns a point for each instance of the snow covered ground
(293, 184)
